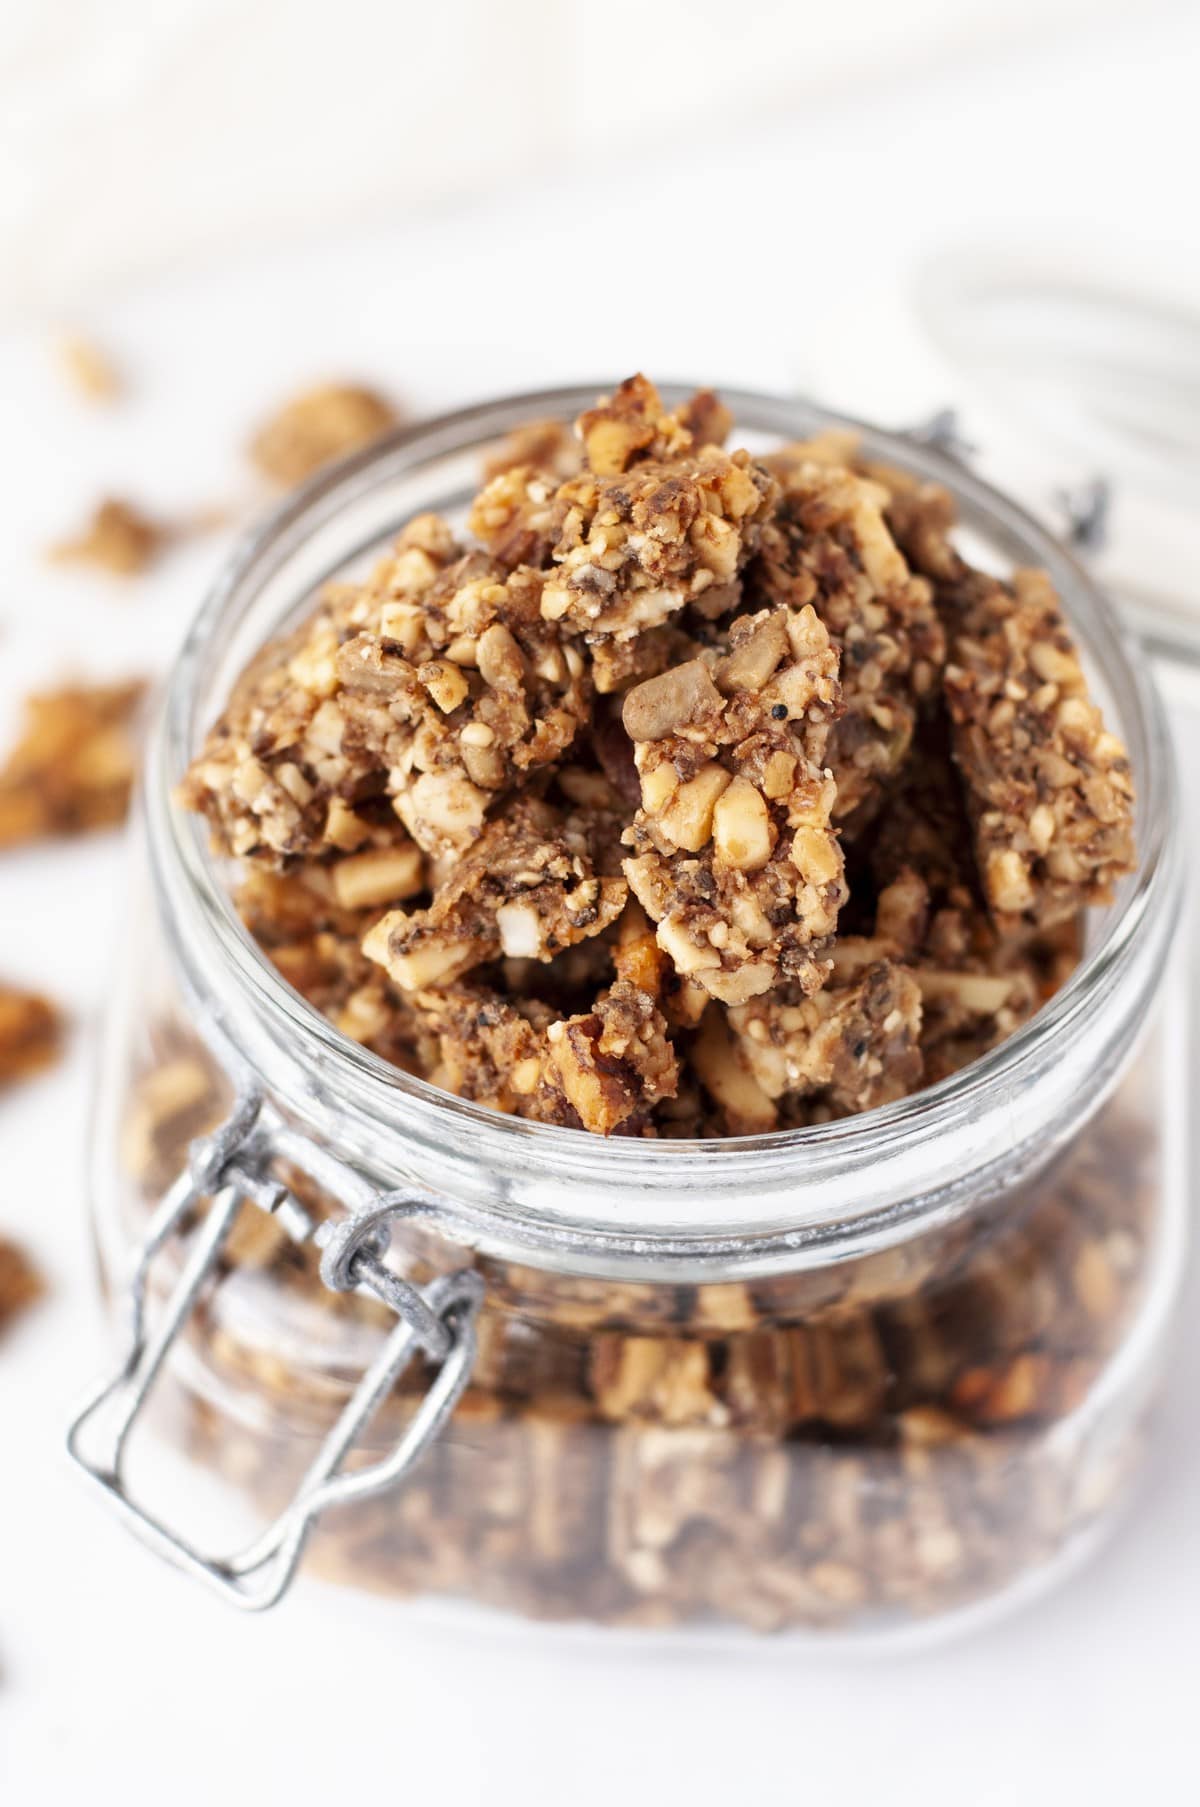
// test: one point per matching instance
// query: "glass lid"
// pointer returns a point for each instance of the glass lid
(1088, 395)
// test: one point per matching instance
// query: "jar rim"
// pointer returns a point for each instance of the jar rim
(310, 1059)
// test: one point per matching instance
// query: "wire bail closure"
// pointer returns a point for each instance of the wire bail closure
(229, 1167)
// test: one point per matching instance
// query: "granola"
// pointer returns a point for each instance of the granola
(72, 768)
(687, 793)
(20, 1283)
(828, 544)
(30, 1034)
(119, 538)
(89, 369)
(890, 1436)
(316, 427)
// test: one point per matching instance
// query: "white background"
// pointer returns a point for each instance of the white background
(781, 256)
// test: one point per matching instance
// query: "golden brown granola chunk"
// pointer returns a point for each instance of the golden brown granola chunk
(433, 688)
(827, 544)
(1049, 788)
(119, 538)
(318, 426)
(976, 987)
(658, 520)
(20, 1283)
(313, 935)
(489, 1049)
(604, 1070)
(615, 1063)
(72, 769)
(856, 1042)
(735, 859)
(30, 1034)
(527, 889)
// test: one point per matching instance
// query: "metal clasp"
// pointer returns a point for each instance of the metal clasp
(228, 1167)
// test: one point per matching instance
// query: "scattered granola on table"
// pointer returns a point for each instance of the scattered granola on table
(687, 792)
(318, 426)
(30, 1034)
(89, 369)
(120, 538)
(73, 767)
(20, 1283)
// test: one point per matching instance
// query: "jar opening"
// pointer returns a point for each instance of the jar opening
(780, 1189)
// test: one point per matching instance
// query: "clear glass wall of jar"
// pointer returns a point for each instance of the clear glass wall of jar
(850, 1377)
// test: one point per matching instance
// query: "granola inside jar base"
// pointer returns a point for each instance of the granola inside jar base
(859, 1378)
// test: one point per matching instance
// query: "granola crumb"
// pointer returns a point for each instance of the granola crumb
(317, 426)
(88, 368)
(30, 1034)
(21, 1285)
(73, 766)
(119, 538)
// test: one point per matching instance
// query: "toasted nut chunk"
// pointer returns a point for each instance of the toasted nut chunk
(747, 1108)
(445, 683)
(670, 702)
(687, 820)
(742, 827)
(378, 876)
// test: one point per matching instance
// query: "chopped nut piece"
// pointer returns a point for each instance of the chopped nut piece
(378, 876)
(119, 538)
(30, 1034)
(72, 770)
(20, 1283)
(318, 426)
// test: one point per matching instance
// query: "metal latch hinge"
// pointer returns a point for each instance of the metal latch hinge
(230, 1166)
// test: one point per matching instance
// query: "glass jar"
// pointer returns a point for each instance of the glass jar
(850, 1377)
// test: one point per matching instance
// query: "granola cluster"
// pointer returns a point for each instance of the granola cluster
(689, 794)
(73, 765)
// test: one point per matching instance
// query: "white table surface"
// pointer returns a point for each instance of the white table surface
(119, 1679)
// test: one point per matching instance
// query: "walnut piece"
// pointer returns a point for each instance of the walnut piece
(72, 769)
